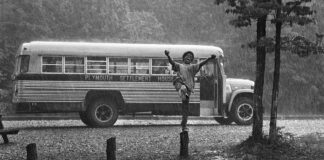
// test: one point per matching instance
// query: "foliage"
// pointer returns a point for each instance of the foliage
(293, 12)
(301, 45)
(246, 11)
(143, 26)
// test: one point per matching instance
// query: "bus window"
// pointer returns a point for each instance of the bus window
(96, 65)
(208, 69)
(24, 63)
(118, 65)
(74, 65)
(140, 66)
(51, 64)
(160, 66)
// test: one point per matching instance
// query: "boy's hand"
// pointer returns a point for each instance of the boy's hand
(212, 57)
(166, 52)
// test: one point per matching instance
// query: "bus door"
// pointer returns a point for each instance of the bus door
(209, 97)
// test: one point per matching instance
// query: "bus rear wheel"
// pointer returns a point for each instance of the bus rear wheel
(102, 113)
(242, 111)
(83, 117)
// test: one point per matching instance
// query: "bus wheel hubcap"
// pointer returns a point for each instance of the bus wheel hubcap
(245, 111)
(104, 113)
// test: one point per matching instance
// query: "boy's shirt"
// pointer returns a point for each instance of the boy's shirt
(187, 72)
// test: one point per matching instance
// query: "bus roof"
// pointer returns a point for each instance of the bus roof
(117, 49)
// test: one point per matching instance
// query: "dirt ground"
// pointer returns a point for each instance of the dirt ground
(141, 139)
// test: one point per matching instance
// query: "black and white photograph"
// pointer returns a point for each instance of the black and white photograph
(161, 80)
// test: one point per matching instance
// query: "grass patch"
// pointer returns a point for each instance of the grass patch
(286, 146)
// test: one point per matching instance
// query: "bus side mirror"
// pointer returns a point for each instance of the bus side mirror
(225, 60)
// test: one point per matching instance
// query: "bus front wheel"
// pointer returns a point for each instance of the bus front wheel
(102, 113)
(242, 111)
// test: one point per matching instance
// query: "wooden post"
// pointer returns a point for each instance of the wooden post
(5, 139)
(31, 151)
(1, 125)
(184, 140)
(4, 136)
(111, 148)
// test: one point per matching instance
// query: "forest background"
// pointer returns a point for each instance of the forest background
(164, 21)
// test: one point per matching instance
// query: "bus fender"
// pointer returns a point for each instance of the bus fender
(238, 93)
(114, 95)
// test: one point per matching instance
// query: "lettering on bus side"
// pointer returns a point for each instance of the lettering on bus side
(98, 78)
(129, 78)
(165, 78)
(137, 78)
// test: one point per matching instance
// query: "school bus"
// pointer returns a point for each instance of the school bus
(101, 81)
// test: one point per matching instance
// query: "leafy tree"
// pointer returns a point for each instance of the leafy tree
(275, 88)
(292, 12)
(247, 12)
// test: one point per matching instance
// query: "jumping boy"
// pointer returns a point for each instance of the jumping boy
(185, 82)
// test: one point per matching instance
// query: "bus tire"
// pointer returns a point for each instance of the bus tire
(242, 111)
(84, 118)
(102, 113)
(223, 121)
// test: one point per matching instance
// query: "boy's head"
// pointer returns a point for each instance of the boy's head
(188, 57)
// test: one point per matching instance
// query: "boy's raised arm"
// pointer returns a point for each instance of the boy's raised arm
(167, 53)
(206, 60)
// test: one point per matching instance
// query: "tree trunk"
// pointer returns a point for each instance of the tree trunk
(258, 90)
(276, 74)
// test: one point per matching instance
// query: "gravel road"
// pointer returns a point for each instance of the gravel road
(136, 139)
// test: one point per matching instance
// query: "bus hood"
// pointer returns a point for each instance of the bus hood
(236, 84)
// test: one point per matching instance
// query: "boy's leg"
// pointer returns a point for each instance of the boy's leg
(185, 113)
(183, 92)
